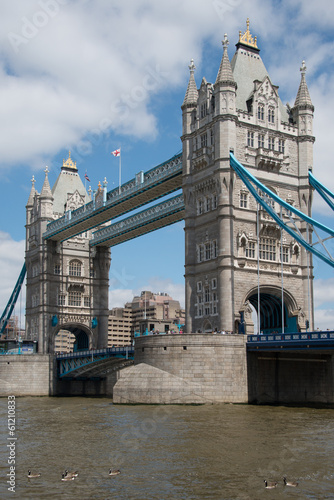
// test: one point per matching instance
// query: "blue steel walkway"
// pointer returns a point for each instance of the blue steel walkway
(81, 363)
(291, 341)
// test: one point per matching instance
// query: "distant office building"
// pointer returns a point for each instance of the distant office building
(120, 326)
(152, 312)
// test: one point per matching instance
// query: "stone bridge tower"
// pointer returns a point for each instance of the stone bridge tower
(243, 113)
(67, 282)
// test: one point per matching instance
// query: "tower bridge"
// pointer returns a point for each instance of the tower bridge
(242, 253)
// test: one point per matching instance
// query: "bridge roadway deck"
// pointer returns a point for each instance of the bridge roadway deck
(156, 217)
(146, 187)
(304, 341)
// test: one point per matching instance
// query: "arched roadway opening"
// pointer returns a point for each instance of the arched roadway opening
(274, 315)
(72, 338)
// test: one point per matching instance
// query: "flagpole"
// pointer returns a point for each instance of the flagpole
(85, 189)
(119, 172)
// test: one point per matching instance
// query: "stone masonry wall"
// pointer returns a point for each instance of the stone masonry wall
(25, 375)
(188, 368)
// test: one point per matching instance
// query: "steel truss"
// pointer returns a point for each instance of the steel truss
(12, 301)
(264, 196)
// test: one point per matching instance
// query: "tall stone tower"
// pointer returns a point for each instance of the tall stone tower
(242, 112)
(67, 282)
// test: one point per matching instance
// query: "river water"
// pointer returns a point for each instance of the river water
(209, 452)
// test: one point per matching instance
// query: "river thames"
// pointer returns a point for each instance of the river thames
(211, 452)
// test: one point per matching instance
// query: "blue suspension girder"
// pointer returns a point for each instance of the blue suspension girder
(254, 186)
(12, 301)
(324, 192)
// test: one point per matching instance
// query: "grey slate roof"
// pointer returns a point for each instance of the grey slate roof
(248, 66)
(66, 183)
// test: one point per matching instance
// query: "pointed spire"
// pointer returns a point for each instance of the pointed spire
(303, 97)
(30, 201)
(225, 74)
(190, 99)
(46, 190)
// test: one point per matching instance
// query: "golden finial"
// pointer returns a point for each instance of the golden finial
(246, 38)
(99, 187)
(69, 163)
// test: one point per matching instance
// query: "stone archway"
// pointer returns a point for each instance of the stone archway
(77, 337)
(272, 318)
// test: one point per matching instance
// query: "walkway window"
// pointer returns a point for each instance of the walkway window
(271, 115)
(74, 298)
(207, 251)
(250, 139)
(267, 249)
(203, 109)
(284, 252)
(206, 295)
(75, 268)
(243, 200)
(214, 201)
(260, 112)
(260, 141)
(199, 286)
(208, 204)
(204, 140)
(61, 300)
(214, 249)
(87, 301)
(250, 250)
(271, 143)
(212, 137)
(281, 146)
(57, 269)
(200, 207)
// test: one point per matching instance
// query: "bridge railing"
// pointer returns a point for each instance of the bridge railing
(96, 352)
(291, 337)
(159, 211)
(138, 183)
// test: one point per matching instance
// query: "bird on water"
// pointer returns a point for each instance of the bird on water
(270, 486)
(31, 474)
(289, 483)
(114, 472)
(67, 478)
(71, 474)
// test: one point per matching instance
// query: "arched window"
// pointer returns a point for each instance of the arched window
(271, 115)
(75, 268)
(260, 112)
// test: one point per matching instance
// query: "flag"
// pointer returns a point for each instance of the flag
(117, 152)
(86, 177)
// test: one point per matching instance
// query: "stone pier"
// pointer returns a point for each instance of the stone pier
(188, 368)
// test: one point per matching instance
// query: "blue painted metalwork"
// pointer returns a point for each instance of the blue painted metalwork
(321, 189)
(160, 215)
(69, 363)
(293, 341)
(145, 186)
(12, 301)
(249, 180)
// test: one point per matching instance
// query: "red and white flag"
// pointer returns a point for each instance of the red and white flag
(117, 152)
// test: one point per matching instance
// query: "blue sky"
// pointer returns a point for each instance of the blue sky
(92, 76)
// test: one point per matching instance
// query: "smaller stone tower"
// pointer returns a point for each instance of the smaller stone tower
(67, 282)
